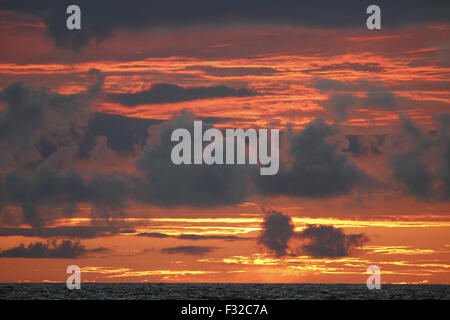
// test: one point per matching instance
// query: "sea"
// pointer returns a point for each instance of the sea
(221, 291)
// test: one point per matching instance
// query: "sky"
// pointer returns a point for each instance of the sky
(86, 116)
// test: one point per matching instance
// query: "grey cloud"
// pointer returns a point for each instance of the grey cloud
(277, 230)
(234, 71)
(37, 192)
(423, 168)
(329, 242)
(132, 131)
(380, 97)
(169, 93)
(341, 102)
(375, 90)
(102, 18)
(84, 232)
(362, 145)
(316, 168)
(49, 182)
(153, 235)
(366, 67)
(413, 172)
(66, 249)
(190, 236)
(209, 237)
(443, 143)
(320, 241)
(23, 113)
(196, 185)
(338, 106)
(330, 84)
(188, 250)
(38, 123)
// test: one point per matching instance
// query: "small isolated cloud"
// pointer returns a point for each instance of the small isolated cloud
(329, 242)
(188, 250)
(320, 241)
(66, 249)
(168, 93)
(277, 231)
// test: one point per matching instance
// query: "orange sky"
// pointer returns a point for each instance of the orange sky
(408, 237)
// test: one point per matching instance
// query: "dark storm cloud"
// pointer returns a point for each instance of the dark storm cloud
(443, 142)
(66, 249)
(47, 182)
(316, 168)
(23, 114)
(84, 232)
(329, 242)
(234, 71)
(101, 18)
(169, 93)
(188, 250)
(37, 123)
(45, 188)
(27, 110)
(132, 131)
(277, 230)
(423, 168)
(49, 187)
(362, 145)
(196, 185)
(414, 173)
(41, 133)
(46, 148)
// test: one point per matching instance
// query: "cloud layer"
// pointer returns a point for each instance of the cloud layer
(102, 18)
(188, 250)
(66, 249)
(161, 93)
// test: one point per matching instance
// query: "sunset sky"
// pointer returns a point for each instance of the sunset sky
(86, 116)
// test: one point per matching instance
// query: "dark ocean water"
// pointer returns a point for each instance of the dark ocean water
(163, 291)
